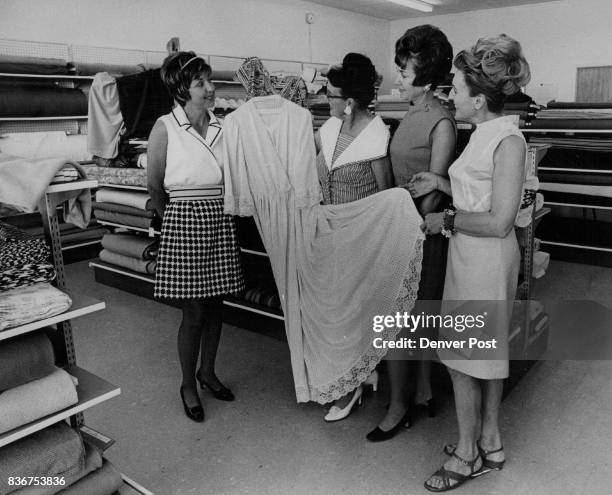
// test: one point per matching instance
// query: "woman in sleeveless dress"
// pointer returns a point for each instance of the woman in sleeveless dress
(424, 141)
(199, 258)
(483, 260)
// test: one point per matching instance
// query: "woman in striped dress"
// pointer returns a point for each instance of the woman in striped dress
(352, 146)
(352, 155)
(199, 257)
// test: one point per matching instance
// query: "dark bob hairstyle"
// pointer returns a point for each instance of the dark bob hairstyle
(356, 78)
(430, 52)
(178, 72)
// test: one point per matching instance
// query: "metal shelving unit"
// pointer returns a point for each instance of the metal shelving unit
(91, 389)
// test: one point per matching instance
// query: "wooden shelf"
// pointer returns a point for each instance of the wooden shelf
(81, 244)
(45, 76)
(151, 232)
(72, 186)
(254, 308)
(91, 391)
(567, 131)
(130, 487)
(256, 253)
(122, 271)
(577, 246)
(576, 205)
(121, 186)
(81, 305)
(540, 213)
(34, 119)
(96, 438)
(578, 170)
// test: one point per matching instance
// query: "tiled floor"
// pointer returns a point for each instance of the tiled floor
(556, 422)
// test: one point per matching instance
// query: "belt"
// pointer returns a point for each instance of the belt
(197, 193)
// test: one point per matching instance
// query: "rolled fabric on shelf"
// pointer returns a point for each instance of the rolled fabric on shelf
(117, 176)
(134, 264)
(36, 399)
(52, 144)
(55, 451)
(136, 199)
(17, 64)
(103, 481)
(43, 102)
(128, 210)
(131, 245)
(25, 358)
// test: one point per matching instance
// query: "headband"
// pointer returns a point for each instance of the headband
(189, 61)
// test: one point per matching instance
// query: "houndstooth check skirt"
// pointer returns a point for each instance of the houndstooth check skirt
(198, 253)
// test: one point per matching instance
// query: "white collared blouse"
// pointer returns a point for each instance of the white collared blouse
(192, 160)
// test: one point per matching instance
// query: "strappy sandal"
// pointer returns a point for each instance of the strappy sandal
(447, 476)
(487, 465)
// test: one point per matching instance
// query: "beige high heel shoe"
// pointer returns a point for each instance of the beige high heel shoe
(336, 414)
(372, 380)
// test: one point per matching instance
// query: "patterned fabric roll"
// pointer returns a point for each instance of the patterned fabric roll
(18, 248)
(25, 275)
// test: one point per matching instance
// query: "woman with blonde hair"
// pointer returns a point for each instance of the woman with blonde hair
(483, 260)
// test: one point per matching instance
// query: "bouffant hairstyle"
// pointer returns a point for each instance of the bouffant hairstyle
(494, 67)
(430, 52)
(356, 78)
(178, 72)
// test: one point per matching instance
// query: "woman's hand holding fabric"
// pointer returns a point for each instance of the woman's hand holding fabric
(433, 223)
(422, 183)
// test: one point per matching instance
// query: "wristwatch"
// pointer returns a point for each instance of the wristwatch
(448, 223)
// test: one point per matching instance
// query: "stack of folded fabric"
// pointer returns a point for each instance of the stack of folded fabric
(117, 176)
(68, 173)
(57, 452)
(123, 207)
(32, 303)
(23, 259)
(132, 251)
(31, 387)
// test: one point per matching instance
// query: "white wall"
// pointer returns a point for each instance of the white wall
(557, 37)
(264, 28)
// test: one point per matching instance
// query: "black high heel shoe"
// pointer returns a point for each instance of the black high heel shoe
(195, 413)
(378, 435)
(222, 393)
(429, 406)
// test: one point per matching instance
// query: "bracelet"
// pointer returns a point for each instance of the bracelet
(448, 222)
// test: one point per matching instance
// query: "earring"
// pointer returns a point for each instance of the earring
(347, 110)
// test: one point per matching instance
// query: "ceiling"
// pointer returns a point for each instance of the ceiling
(387, 10)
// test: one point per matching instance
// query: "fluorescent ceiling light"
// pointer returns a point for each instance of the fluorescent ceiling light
(414, 4)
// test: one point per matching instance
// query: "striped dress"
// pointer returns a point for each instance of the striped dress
(348, 182)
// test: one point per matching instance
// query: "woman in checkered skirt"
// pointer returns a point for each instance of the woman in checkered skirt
(199, 258)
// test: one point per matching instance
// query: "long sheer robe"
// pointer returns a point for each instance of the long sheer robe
(335, 266)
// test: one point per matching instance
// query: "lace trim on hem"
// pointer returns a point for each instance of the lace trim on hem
(405, 300)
